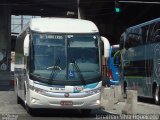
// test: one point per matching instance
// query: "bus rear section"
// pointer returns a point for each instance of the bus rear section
(60, 69)
(113, 65)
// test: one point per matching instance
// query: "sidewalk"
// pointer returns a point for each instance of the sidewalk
(143, 108)
(121, 109)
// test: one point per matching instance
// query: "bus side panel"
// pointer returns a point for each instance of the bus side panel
(140, 50)
(20, 67)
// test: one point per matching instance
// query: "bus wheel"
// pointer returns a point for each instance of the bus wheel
(86, 112)
(124, 87)
(29, 110)
(157, 96)
(19, 101)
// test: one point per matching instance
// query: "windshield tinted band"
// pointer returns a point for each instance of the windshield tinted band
(64, 82)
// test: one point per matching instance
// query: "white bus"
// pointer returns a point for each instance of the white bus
(58, 64)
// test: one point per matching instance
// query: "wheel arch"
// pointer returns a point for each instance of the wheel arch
(154, 86)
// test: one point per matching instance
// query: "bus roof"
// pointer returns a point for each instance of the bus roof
(144, 24)
(62, 25)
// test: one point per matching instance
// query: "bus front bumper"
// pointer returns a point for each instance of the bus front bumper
(36, 100)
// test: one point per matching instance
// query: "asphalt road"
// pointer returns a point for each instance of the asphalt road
(10, 110)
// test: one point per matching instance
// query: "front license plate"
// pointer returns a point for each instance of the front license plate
(66, 103)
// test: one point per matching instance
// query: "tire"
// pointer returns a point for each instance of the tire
(29, 110)
(124, 89)
(157, 96)
(86, 112)
(19, 101)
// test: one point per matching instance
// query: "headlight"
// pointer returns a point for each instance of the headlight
(38, 90)
(94, 91)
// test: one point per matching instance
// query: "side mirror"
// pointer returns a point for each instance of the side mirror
(26, 45)
(106, 47)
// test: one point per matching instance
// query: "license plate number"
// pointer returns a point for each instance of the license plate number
(66, 103)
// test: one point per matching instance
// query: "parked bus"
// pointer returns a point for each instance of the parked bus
(113, 65)
(58, 64)
(140, 52)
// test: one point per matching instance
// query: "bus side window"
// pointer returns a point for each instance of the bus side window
(116, 58)
(122, 39)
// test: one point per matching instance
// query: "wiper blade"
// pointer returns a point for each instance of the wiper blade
(76, 67)
(53, 73)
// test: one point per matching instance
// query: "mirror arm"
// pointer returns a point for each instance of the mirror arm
(106, 46)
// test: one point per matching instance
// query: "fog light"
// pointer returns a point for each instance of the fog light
(98, 101)
(33, 100)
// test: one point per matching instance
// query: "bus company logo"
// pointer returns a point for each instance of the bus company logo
(66, 95)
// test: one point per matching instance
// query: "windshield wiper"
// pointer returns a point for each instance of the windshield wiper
(54, 73)
(76, 67)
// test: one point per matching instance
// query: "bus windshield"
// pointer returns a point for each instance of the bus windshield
(65, 57)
